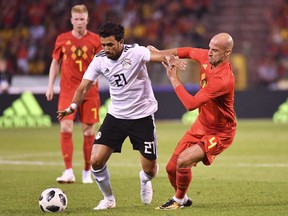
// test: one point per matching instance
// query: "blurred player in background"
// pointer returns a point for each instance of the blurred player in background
(73, 52)
(130, 113)
(215, 128)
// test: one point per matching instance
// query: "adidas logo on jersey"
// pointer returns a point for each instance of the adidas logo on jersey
(25, 112)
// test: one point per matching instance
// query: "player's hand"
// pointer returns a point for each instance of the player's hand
(174, 61)
(49, 94)
(62, 113)
(171, 70)
(172, 74)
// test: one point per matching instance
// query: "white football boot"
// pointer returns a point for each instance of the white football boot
(105, 204)
(86, 177)
(67, 177)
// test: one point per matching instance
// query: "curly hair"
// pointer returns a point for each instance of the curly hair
(111, 29)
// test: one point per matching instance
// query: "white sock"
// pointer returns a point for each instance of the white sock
(180, 201)
(102, 178)
(145, 177)
(185, 199)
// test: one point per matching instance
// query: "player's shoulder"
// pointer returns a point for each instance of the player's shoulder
(100, 54)
(130, 47)
(65, 34)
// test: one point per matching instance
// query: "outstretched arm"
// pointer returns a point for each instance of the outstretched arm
(173, 51)
(78, 97)
(165, 56)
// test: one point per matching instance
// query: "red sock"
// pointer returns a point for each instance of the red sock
(87, 148)
(67, 148)
(171, 170)
(183, 179)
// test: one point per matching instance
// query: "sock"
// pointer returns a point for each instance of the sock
(145, 177)
(180, 201)
(183, 179)
(102, 178)
(87, 148)
(185, 198)
(67, 148)
(171, 170)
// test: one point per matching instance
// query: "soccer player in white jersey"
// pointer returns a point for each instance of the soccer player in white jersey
(130, 113)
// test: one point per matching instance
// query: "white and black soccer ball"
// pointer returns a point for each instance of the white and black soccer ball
(53, 200)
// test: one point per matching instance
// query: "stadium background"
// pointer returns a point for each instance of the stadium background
(28, 30)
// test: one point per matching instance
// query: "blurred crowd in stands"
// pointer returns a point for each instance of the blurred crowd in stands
(273, 68)
(28, 28)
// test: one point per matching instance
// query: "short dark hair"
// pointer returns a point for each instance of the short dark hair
(111, 29)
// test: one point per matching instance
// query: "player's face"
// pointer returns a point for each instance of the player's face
(79, 21)
(112, 47)
(217, 54)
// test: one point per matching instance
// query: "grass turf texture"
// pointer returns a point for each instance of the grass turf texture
(250, 178)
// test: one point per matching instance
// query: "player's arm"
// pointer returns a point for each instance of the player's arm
(189, 101)
(53, 71)
(78, 97)
(166, 56)
(173, 51)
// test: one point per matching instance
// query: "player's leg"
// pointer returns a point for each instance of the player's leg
(109, 139)
(149, 170)
(67, 148)
(186, 160)
(142, 135)
(171, 170)
(179, 177)
(88, 116)
(66, 141)
(99, 157)
(88, 140)
(181, 181)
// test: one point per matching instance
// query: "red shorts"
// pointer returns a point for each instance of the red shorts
(87, 112)
(211, 144)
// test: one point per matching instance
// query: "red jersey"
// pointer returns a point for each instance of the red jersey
(215, 99)
(75, 55)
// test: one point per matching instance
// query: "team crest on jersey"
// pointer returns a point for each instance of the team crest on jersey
(203, 83)
(98, 135)
(203, 80)
(126, 63)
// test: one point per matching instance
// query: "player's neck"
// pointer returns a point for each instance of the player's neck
(79, 34)
(219, 64)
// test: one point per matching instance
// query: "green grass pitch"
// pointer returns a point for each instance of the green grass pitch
(250, 178)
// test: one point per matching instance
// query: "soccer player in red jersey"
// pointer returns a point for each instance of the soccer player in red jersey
(73, 52)
(214, 129)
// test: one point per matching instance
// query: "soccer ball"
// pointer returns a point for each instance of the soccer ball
(53, 200)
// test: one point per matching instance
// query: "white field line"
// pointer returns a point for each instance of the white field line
(27, 159)
(263, 165)
(34, 163)
(45, 163)
(129, 164)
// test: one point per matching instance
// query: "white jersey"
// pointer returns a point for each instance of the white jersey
(130, 87)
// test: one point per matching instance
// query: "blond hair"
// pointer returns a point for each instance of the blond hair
(79, 9)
